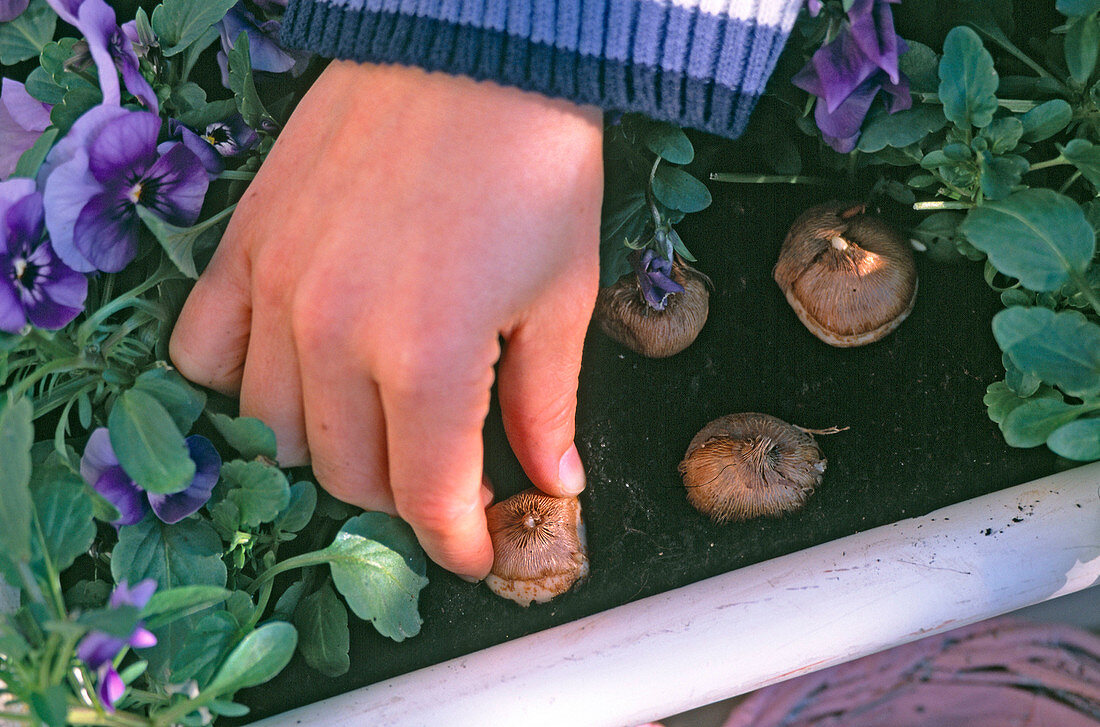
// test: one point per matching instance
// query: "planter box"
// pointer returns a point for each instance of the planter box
(919, 441)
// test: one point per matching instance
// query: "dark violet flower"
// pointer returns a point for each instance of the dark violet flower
(98, 649)
(97, 176)
(847, 73)
(231, 137)
(23, 118)
(35, 286)
(110, 48)
(263, 43)
(12, 9)
(100, 468)
(654, 278)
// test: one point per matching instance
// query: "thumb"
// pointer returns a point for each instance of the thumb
(538, 395)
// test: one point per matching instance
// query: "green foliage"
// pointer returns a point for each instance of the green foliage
(259, 657)
(260, 491)
(183, 402)
(299, 510)
(1085, 156)
(244, 87)
(185, 554)
(1061, 349)
(1081, 45)
(1078, 440)
(148, 443)
(64, 511)
(323, 623)
(968, 81)
(181, 243)
(249, 436)
(678, 190)
(179, 23)
(25, 36)
(16, 435)
(1046, 120)
(900, 129)
(168, 605)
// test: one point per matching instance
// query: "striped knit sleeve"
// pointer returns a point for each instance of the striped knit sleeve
(697, 63)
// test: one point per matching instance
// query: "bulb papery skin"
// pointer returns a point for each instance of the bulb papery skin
(624, 316)
(849, 276)
(748, 465)
(539, 547)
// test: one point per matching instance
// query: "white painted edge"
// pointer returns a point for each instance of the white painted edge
(761, 624)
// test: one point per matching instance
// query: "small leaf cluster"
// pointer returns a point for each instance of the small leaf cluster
(646, 192)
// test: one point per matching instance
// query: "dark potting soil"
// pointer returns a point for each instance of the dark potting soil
(919, 439)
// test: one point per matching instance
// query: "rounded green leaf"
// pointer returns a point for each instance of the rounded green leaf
(323, 621)
(1078, 440)
(187, 553)
(678, 190)
(1046, 120)
(1036, 235)
(669, 142)
(1062, 349)
(260, 491)
(148, 444)
(968, 81)
(249, 436)
(183, 402)
(901, 129)
(259, 657)
(1086, 157)
(1081, 45)
(65, 516)
(1029, 424)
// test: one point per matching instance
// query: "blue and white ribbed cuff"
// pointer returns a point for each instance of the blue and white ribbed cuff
(702, 64)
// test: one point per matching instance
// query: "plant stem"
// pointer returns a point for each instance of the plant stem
(1015, 105)
(1082, 284)
(942, 205)
(768, 178)
(17, 717)
(1069, 182)
(88, 716)
(649, 195)
(1055, 162)
(237, 175)
(317, 557)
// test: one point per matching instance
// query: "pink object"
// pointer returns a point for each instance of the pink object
(998, 673)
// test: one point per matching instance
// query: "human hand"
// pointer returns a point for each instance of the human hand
(403, 223)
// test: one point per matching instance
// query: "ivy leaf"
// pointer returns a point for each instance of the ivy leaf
(249, 436)
(1078, 440)
(180, 243)
(901, 129)
(323, 622)
(1029, 424)
(64, 511)
(678, 190)
(259, 657)
(1062, 349)
(968, 81)
(1035, 235)
(1081, 45)
(16, 437)
(668, 142)
(379, 568)
(185, 554)
(148, 444)
(183, 402)
(179, 23)
(1046, 120)
(260, 491)
(24, 37)
(1084, 156)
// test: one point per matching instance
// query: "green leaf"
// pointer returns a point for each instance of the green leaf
(1035, 235)
(24, 37)
(938, 232)
(244, 86)
(920, 64)
(999, 175)
(119, 621)
(1078, 440)
(288, 602)
(901, 129)
(65, 516)
(249, 436)
(185, 554)
(1081, 45)
(1077, 7)
(322, 621)
(1062, 349)
(678, 190)
(16, 437)
(1084, 156)
(183, 402)
(148, 444)
(259, 657)
(32, 158)
(203, 116)
(1002, 400)
(260, 491)
(1003, 134)
(77, 101)
(379, 568)
(1022, 384)
(168, 605)
(968, 81)
(49, 704)
(179, 23)
(180, 243)
(210, 640)
(1046, 120)
(1029, 424)
(188, 96)
(41, 86)
(298, 512)
(668, 142)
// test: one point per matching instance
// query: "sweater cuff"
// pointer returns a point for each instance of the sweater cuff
(701, 64)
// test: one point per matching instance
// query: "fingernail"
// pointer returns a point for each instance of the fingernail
(571, 472)
(468, 579)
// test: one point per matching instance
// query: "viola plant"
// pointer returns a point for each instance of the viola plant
(143, 524)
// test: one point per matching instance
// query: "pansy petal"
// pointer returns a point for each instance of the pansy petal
(98, 456)
(111, 687)
(127, 144)
(841, 66)
(106, 232)
(841, 128)
(142, 638)
(872, 26)
(11, 191)
(12, 316)
(178, 505)
(96, 20)
(76, 141)
(68, 190)
(23, 221)
(48, 314)
(203, 149)
(67, 9)
(263, 47)
(138, 596)
(12, 9)
(180, 183)
(61, 283)
(134, 81)
(117, 488)
(25, 109)
(98, 648)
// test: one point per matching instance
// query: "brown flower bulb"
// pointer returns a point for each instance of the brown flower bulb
(849, 276)
(742, 466)
(624, 315)
(538, 546)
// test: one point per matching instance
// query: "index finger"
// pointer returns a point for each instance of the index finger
(433, 428)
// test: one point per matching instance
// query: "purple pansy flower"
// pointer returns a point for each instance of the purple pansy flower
(100, 468)
(228, 138)
(96, 177)
(23, 118)
(264, 48)
(12, 9)
(98, 649)
(110, 48)
(654, 278)
(35, 286)
(847, 73)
